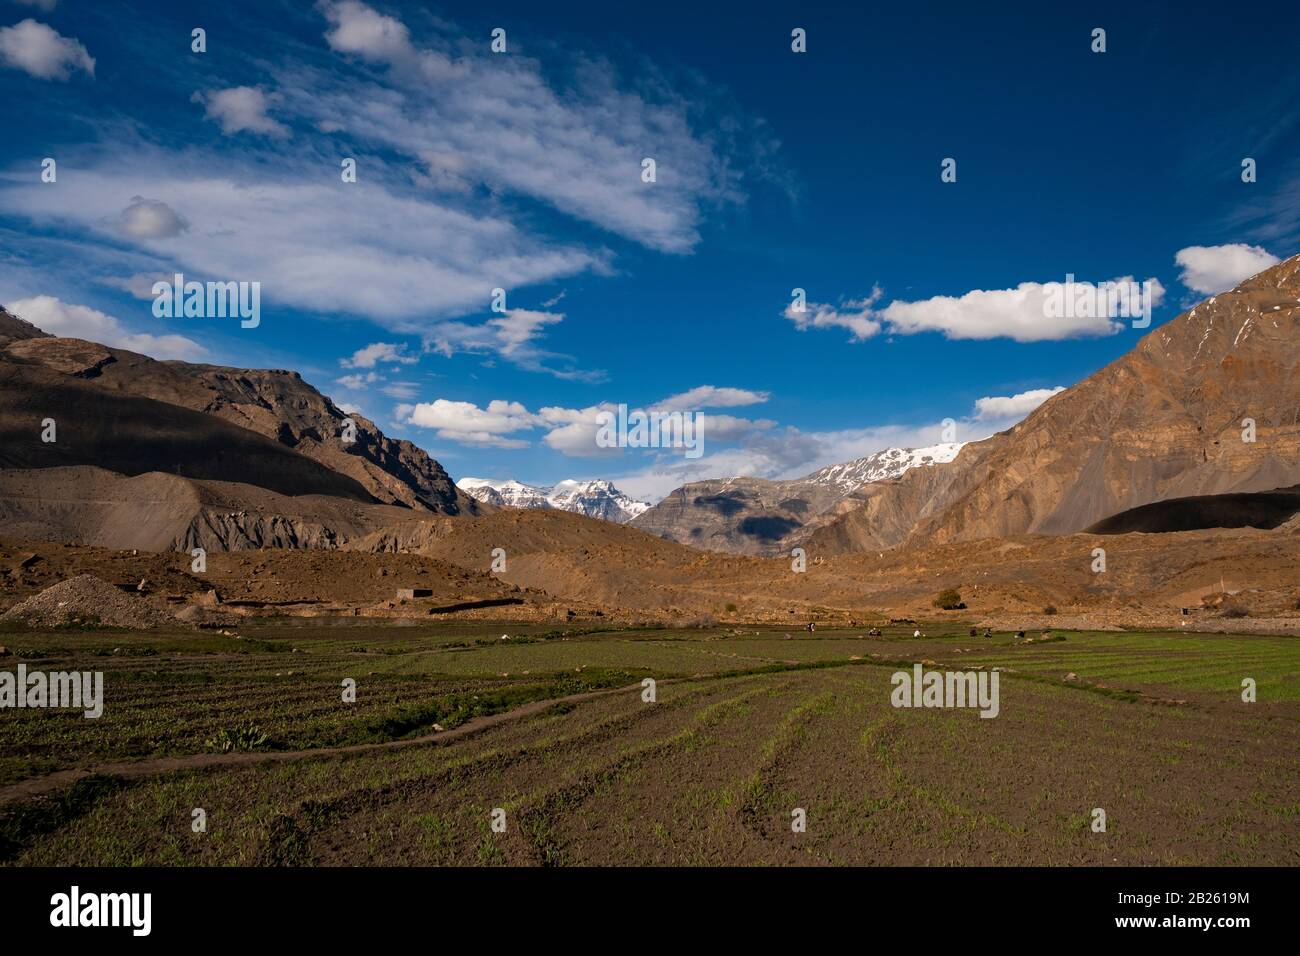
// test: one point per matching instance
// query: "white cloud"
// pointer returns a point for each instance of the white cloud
(1013, 406)
(140, 284)
(856, 315)
(358, 382)
(42, 51)
(465, 422)
(242, 108)
(150, 219)
(513, 335)
(573, 431)
(400, 259)
(1024, 314)
(359, 29)
(517, 327)
(401, 390)
(710, 396)
(574, 142)
(377, 352)
(509, 133)
(733, 446)
(1210, 270)
(82, 322)
(46, 5)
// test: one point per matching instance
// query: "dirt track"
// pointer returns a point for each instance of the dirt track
(136, 769)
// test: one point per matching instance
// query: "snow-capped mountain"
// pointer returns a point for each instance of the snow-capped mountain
(510, 493)
(883, 465)
(595, 499)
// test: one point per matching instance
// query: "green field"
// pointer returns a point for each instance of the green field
(749, 725)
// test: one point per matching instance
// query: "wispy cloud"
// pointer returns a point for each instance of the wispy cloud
(475, 118)
(397, 258)
(377, 353)
(856, 315)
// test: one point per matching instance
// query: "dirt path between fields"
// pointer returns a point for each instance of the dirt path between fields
(135, 769)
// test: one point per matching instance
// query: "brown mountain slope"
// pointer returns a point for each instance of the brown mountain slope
(276, 405)
(1149, 577)
(570, 556)
(133, 435)
(1163, 421)
(165, 512)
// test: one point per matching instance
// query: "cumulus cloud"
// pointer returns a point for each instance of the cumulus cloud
(43, 52)
(465, 422)
(1023, 314)
(379, 352)
(359, 29)
(82, 322)
(572, 431)
(1210, 270)
(150, 219)
(1013, 406)
(242, 109)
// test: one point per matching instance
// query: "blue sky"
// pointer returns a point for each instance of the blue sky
(522, 170)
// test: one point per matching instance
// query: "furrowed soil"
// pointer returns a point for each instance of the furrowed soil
(749, 725)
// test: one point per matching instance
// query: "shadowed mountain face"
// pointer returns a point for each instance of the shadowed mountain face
(1171, 419)
(276, 404)
(130, 415)
(1264, 509)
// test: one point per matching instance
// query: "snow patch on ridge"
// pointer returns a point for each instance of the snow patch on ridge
(595, 499)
